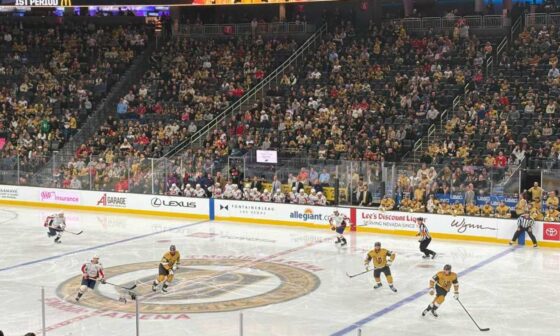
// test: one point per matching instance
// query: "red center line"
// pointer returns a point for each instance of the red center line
(186, 283)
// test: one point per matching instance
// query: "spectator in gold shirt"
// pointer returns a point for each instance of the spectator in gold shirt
(444, 208)
(551, 214)
(487, 210)
(472, 209)
(535, 213)
(419, 194)
(521, 205)
(406, 204)
(458, 209)
(503, 211)
(552, 200)
(387, 203)
(536, 192)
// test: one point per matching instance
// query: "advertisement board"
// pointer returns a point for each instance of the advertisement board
(372, 220)
(60, 196)
(551, 231)
(151, 203)
(459, 225)
(8, 192)
(275, 212)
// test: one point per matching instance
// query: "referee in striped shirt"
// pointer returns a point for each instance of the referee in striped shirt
(425, 239)
(524, 224)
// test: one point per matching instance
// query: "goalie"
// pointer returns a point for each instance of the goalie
(56, 224)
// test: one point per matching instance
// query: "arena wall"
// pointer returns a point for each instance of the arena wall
(483, 229)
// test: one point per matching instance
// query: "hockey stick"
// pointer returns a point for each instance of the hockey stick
(355, 275)
(127, 288)
(74, 233)
(466, 311)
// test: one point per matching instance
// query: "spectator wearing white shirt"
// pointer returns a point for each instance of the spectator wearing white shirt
(432, 113)
(553, 73)
(530, 107)
(551, 107)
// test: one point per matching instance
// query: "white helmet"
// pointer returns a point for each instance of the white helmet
(294, 189)
(198, 186)
(312, 191)
(301, 191)
(95, 256)
(255, 189)
(188, 186)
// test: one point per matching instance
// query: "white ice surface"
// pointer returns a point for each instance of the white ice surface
(516, 294)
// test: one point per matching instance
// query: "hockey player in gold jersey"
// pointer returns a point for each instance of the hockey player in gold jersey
(169, 263)
(440, 285)
(379, 256)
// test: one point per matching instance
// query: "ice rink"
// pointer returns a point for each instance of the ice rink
(286, 281)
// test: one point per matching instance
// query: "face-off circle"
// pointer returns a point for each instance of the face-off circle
(200, 286)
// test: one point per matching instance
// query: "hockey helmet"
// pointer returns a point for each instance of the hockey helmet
(447, 268)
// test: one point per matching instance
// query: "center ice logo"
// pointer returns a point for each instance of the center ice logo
(203, 285)
(307, 215)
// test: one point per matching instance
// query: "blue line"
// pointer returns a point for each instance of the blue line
(99, 246)
(212, 210)
(416, 295)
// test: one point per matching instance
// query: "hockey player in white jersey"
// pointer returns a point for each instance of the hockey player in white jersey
(174, 190)
(266, 197)
(199, 191)
(338, 224)
(279, 197)
(228, 191)
(189, 191)
(91, 272)
(312, 198)
(254, 195)
(228, 187)
(301, 197)
(321, 199)
(247, 194)
(292, 196)
(56, 224)
(237, 193)
(215, 190)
